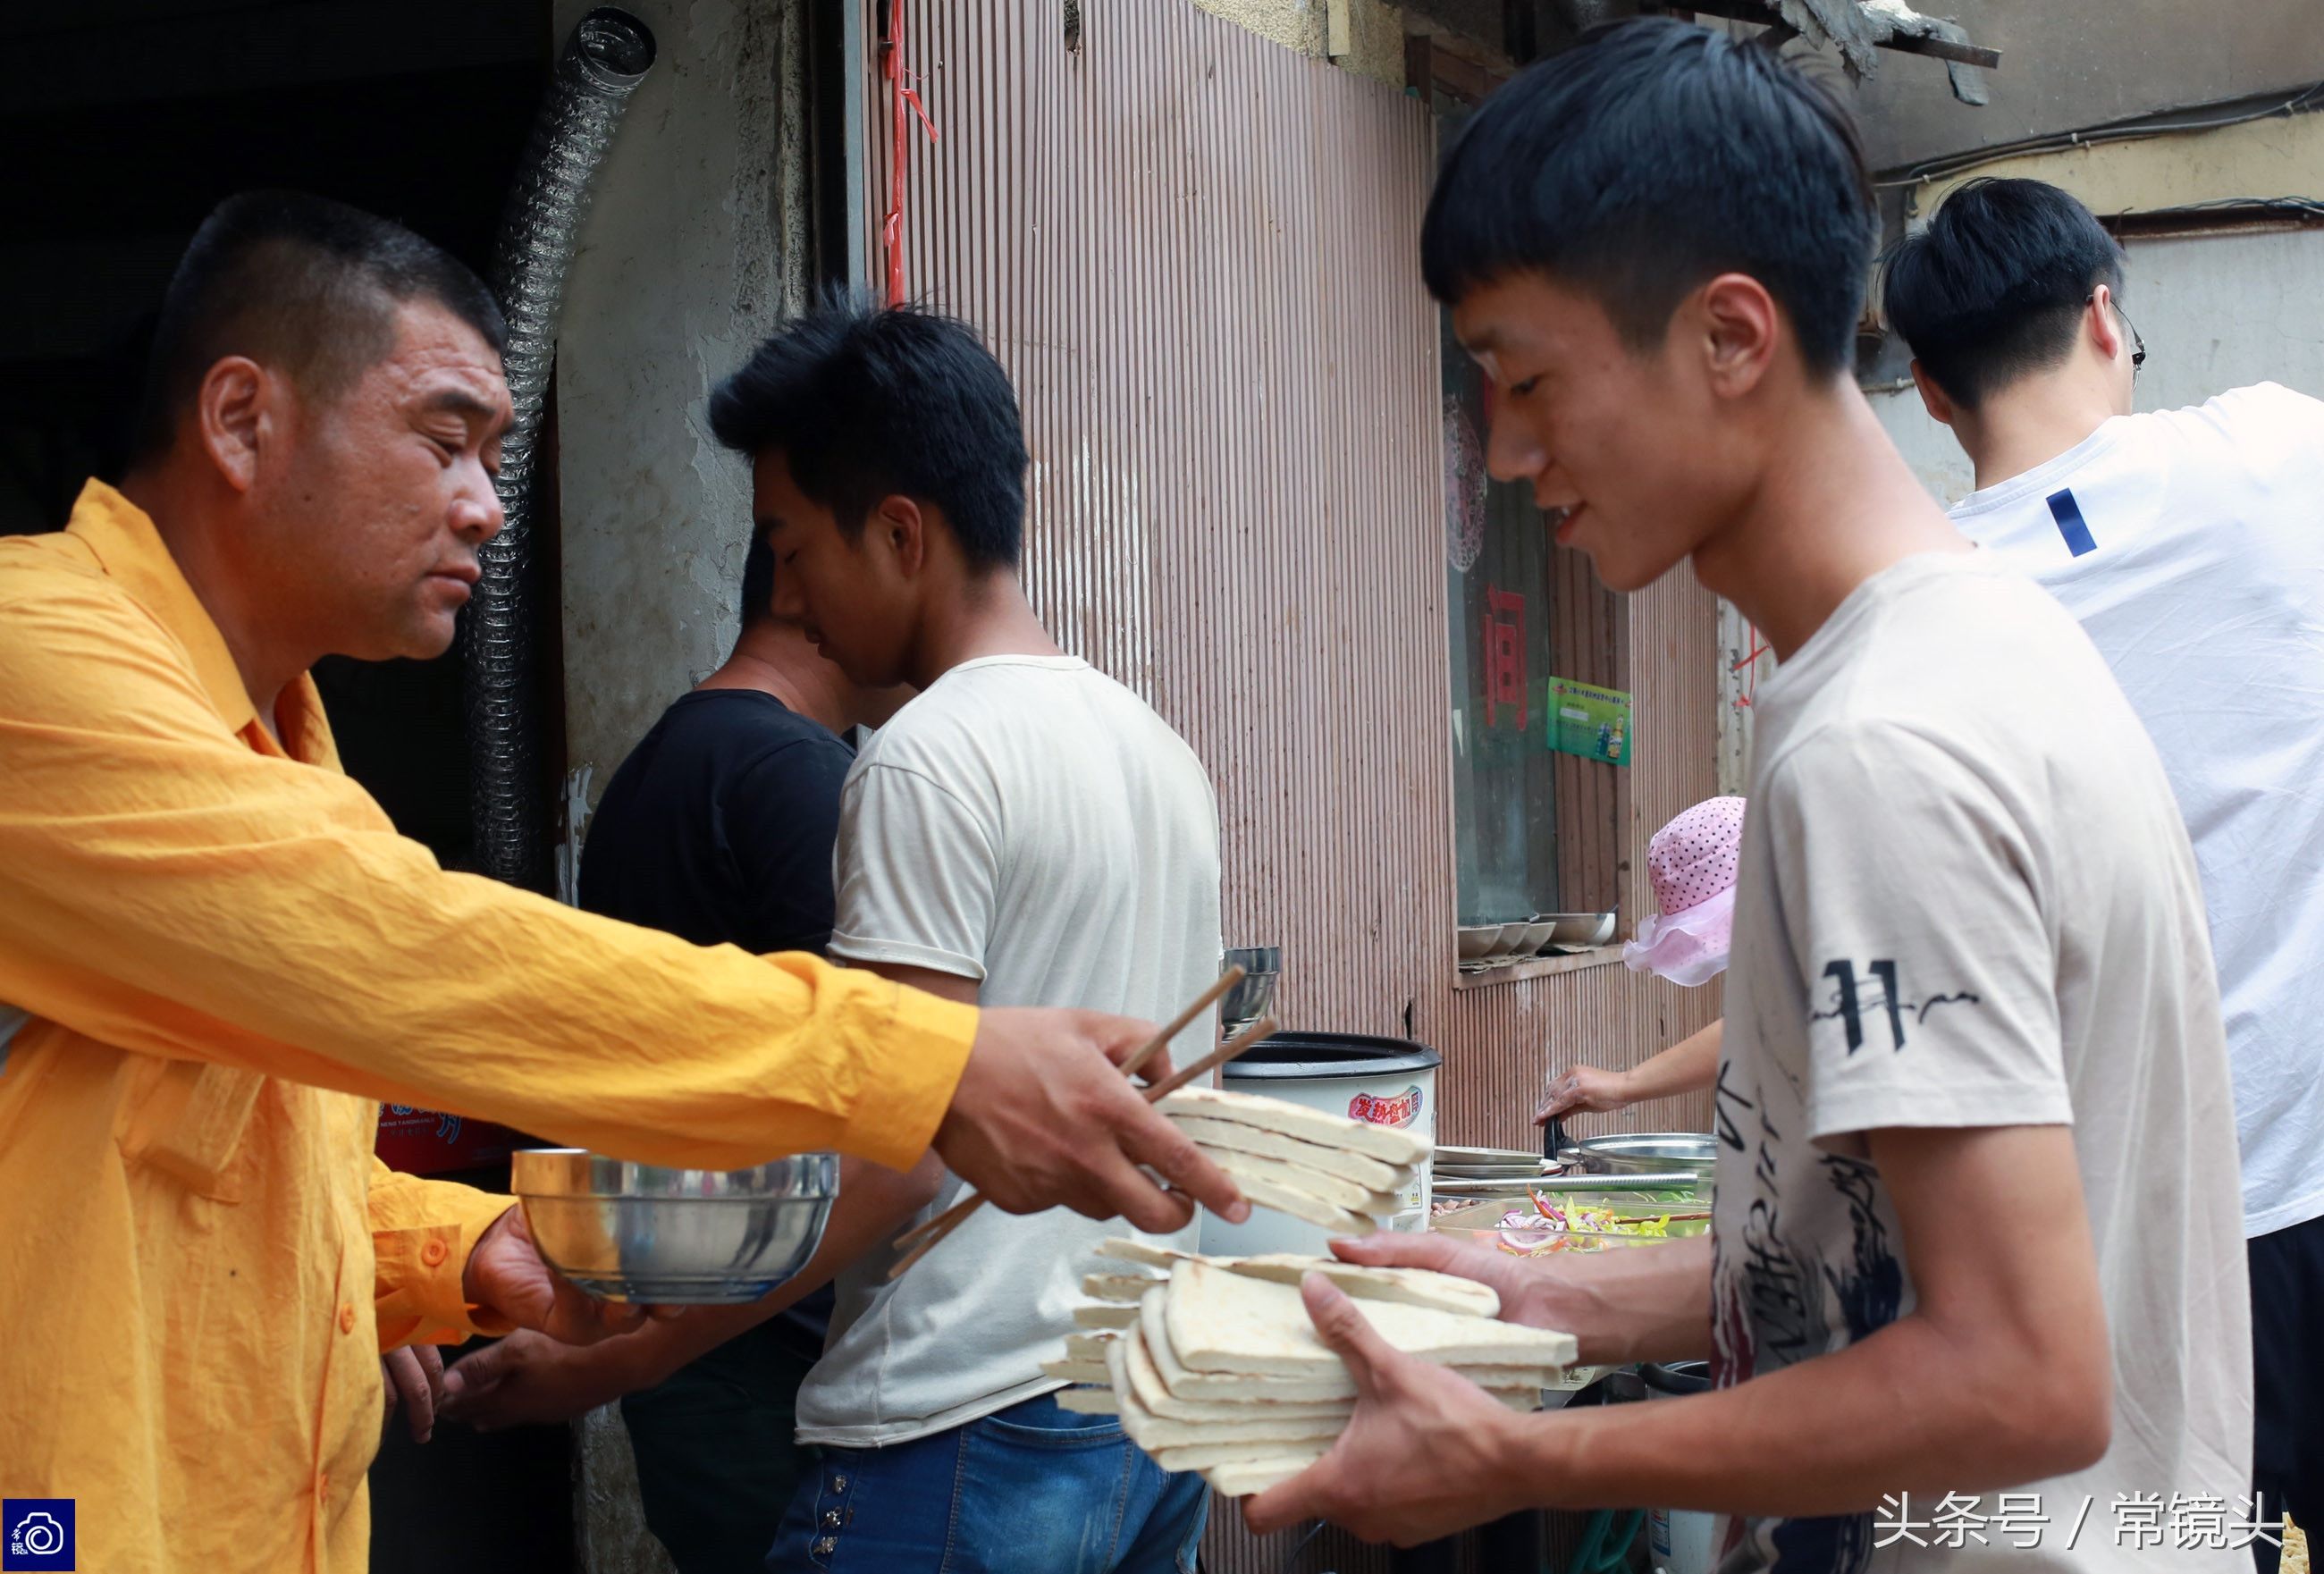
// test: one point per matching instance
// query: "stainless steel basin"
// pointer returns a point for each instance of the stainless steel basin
(669, 1236)
(1643, 1153)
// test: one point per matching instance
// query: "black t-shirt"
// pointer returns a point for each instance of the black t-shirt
(719, 827)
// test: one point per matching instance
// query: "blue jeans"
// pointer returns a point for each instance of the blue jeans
(1031, 1489)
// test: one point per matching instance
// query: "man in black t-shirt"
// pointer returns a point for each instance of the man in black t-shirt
(719, 827)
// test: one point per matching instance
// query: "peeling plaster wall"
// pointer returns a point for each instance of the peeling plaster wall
(691, 254)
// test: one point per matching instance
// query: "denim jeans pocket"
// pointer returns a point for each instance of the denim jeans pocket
(1084, 1432)
(835, 1476)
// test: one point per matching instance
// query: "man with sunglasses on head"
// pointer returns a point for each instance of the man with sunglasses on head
(2190, 544)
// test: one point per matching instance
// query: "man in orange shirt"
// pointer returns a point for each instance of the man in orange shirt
(215, 955)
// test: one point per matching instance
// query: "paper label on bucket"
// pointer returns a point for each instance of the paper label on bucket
(1402, 1110)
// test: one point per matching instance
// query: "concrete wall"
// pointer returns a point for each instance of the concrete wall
(2072, 63)
(696, 248)
(693, 252)
(1364, 36)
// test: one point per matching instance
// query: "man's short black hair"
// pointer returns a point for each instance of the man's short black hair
(866, 402)
(298, 282)
(758, 579)
(1993, 288)
(1649, 157)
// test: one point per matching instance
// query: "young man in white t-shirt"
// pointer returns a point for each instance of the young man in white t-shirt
(1025, 829)
(2189, 543)
(1969, 1000)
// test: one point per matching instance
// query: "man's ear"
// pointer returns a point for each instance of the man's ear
(1939, 402)
(2105, 325)
(237, 405)
(1738, 325)
(903, 531)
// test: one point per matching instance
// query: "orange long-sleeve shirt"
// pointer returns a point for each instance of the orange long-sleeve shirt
(217, 956)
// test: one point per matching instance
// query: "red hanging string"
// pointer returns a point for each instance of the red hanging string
(900, 94)
(1750, 668)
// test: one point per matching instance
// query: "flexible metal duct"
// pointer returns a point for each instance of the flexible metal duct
(607, 56)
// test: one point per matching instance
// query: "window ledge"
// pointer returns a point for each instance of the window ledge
(1540, 967)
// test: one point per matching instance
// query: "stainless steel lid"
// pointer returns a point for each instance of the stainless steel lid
(1649, 1150)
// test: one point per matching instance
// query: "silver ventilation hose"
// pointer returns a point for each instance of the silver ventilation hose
(607, 56)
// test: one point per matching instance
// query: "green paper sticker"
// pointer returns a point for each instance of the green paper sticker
(1590, 721)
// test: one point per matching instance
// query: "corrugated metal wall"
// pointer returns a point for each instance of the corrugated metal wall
(1194, 252)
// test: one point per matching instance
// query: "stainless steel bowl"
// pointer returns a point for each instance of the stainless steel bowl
(1247, 1002)
(679, 1238)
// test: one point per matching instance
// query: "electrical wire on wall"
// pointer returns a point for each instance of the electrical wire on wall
(2092, 136)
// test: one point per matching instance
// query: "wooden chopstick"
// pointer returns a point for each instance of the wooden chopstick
(1152, 1047)
(1211, 1062)
(934, 1232)
(1185, 1019)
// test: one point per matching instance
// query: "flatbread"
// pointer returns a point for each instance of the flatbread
(1250, 1477)
(1089, 1347)
(1077, 1371)
(1305, 1206)
(1125, 1249)
(1346, 1194)
(1209, 1456)
(1145, 1386)
(1414, 1286)
(1086, 1401)
(1105, 1314)
(1520, 1388)
(1218, 1321)
(1155, 1433)
(1125, 1288)
(1389, 1143)
(1346, 1163)
(1418, 1286)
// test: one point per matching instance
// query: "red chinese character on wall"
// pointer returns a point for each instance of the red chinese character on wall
(1505, 655)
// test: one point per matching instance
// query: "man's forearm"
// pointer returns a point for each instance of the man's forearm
(1633, 1303)
(1899, 1411)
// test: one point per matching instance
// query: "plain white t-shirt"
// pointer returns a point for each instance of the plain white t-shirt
(2199, 574)
(1029, 823)
(1966, 900)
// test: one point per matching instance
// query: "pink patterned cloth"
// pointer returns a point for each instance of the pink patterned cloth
(1691, 864)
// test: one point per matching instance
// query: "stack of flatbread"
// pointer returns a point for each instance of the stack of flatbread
(1214, 1365)
(1344, 1176)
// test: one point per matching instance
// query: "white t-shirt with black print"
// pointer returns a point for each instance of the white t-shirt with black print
(1967, 900)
